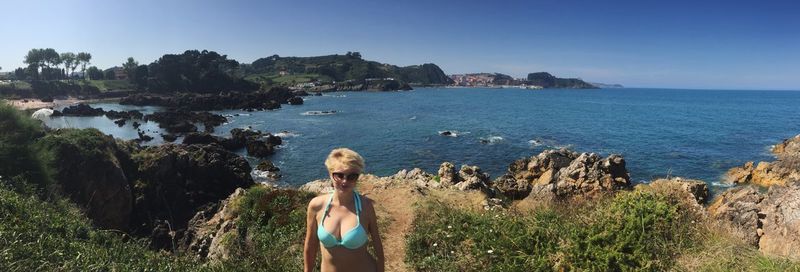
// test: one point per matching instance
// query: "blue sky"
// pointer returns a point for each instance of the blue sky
(675, 44)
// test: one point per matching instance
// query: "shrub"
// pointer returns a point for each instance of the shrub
(271, 230)
(18, 160)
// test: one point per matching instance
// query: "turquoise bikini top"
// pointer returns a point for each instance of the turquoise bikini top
(352, 239)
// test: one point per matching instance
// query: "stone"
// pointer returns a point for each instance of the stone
(739, 207)
(780, 234)
(447, 174)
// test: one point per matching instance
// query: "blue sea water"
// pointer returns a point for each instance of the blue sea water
(695, 134)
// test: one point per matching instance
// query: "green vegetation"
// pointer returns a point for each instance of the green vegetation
(546, 80)
(19, 161)
(271, 229)
(345, 67)
(642, 230)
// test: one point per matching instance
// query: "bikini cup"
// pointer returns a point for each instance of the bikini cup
(352, 239)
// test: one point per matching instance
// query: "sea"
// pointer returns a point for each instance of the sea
(695, 134)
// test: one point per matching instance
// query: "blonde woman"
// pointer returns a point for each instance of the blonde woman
(340, 224)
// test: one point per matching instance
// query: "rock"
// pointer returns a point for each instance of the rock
(260, 149)
(447, 174)
(446, 133)
(182, 121)
(120, 122)
(267, 165)
(169, 137)
(780, 234)
(296, 100)
(82, 110)
(319, 186)
(789, 147)
(739, 207)
(405, 87)
(208, 227)
(270, 99)
(508, 186)
(471, 178)
(201, 138)
(136, 124)
(91, 170)
(175, 181)
(419, 177)
(563, 173)
(144, 137)
(134, 114)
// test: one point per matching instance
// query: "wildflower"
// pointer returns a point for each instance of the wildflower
(449, 227)
(452, 252)
(490, 251)
(435, 244)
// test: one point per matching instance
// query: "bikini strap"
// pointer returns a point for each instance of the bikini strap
(358, 206)
(327, 205)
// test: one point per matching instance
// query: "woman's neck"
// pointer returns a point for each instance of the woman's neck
(342, 197)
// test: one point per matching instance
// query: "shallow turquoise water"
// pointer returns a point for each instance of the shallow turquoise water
(688, 133)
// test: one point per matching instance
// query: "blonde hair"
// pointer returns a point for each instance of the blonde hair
(344, 157)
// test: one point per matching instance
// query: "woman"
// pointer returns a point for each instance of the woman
(342, 221)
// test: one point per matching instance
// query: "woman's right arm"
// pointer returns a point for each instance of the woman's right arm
(311, 246)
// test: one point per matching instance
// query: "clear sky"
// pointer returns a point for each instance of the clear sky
(677, 44)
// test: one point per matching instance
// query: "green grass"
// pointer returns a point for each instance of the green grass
(54, 236)
(110, 85)
(287, 80)
(633, 231)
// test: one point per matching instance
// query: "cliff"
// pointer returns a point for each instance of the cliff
(546, 80)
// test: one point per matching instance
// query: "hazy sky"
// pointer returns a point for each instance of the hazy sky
(679, 44)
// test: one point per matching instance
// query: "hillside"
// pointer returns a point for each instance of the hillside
(339, 68)
(546, 80)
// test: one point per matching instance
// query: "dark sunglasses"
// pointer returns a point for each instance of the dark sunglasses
(342, 176)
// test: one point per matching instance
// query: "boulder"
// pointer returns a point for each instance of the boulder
(296, 100)
(201, 138)
(259, 148)
(781, 224)
(319, 186)
(418, 177)
(208, 227)
(471, 178)
(82, 110)
(447, 174)
(175, 181)
(508, 186)
(739, 207)
(266, 165)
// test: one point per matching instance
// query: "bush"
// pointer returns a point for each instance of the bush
(18, 160)
(633, 231)
(271, 230)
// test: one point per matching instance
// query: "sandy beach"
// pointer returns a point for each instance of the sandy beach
(25, 104)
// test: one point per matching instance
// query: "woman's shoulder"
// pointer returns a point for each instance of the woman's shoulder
(366, 201)
(316, 203)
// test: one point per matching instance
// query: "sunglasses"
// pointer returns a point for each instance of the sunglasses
(343, 176)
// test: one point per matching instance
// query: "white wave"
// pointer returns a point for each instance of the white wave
(286, 134)
(319, 112)
(492, 140)
(449, 133)
(535, 142)
(335, 95)
(413, 118)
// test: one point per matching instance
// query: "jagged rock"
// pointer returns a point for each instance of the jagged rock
(201, 138)
(405, 87)
(91, 170)
(781, 226)
(258, 148)
(698, 189)
(175, 181)
(169, 137)
(563, 173)
(447, 174)
(182, 121)
(120, 122)
(789, 147)
(204, 235)
(508, 186)
(419, 177)
(267, 165)
(270, 99)
(740, 207)
(296, 100)
(471, 178)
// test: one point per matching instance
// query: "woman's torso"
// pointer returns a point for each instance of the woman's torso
(339, 221)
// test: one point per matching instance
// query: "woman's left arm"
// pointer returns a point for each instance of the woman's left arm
(377, 244)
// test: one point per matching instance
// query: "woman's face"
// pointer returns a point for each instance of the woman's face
(344, 179)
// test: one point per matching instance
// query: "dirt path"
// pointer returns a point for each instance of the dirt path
(395, 209)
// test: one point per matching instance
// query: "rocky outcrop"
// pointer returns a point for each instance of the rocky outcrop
(178, 180)
(769, 221)
(780, 233)
(784, 170)
(90, 168)
(205, 232)
(183, 121)
(563, 173)
(82, 110)
(262, 100)
(697, 189)
(296, 100)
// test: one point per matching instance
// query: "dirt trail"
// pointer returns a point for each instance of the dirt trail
(395, 210)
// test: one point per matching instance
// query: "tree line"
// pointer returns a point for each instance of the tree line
(47, 63)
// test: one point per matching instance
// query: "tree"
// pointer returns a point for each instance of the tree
(94, 73)
(70, 61)
(84, 59)
(130, 68)
(109, 74)
(34, 59)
